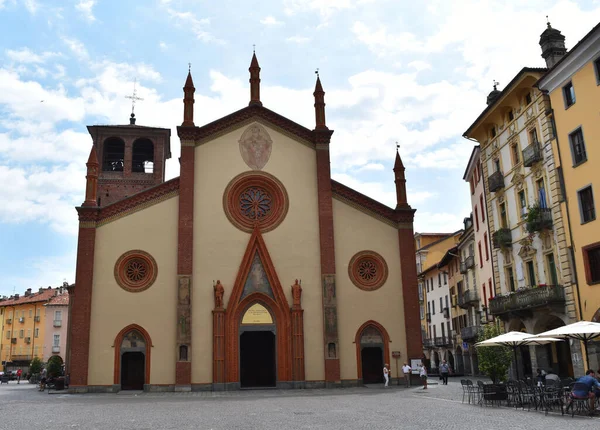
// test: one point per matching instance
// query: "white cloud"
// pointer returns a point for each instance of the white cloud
(31, 5)
(449, 157)
(325, 8)
(26, 56)
(298, 39)
(163, 46)
(270, 21)
(76, 47)
(440, 221)
(371, 167)
(419, 65)
(198, 26)
(85, 8)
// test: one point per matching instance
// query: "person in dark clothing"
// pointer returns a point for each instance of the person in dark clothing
(444, 370)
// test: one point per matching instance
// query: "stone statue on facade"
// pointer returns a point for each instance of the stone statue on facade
(296, 293)
(219, 293)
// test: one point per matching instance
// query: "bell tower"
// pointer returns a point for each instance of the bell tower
(132, 158)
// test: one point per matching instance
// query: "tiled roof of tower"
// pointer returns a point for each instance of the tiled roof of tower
(43, 296)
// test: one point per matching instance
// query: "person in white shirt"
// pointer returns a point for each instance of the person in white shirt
(406, 369)
(423, 375)
(386, 374)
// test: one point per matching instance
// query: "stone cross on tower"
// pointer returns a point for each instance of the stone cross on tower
(134, 97)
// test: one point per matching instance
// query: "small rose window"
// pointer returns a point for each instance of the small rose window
(368, 270)
(135, 271)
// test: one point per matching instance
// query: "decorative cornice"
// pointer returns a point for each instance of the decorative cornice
(395, 218)
(245, 116)
(134, 203)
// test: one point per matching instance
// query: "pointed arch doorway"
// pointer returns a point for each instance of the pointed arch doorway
(132, 358)
(372, 352)
(258, 348)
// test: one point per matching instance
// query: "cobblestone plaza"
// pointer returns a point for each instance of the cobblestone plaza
(23, 407)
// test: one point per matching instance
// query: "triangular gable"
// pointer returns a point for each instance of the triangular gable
(256, 275)
(244, 116)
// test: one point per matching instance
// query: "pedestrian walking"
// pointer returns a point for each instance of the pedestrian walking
(386, 374)
(19, 373)
(43, 376)
(423, 375)
(444, 370)
(406, 370)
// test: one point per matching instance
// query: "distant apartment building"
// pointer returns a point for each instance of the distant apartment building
(25, 326)
(573, 131)
(532, 271)
(56, 312)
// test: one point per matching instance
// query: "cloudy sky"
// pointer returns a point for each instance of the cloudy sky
(393, 70)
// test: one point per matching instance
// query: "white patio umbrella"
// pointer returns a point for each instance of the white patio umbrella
(581, 330)
(515, 339)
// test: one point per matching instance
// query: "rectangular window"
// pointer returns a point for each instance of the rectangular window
(37, 312)
(476, 219)
(503, 218)
(510, 279)
(591, 262)
(434, 331)
(487, 249)
(569, 95)
(21, 334)
(530, 273)
(541, 193)
(480, 255)
(597, 67)
(432, 307)
(57, 315)
(490, 287)
(522, 204)
(515, 154)
(561, 182)
(29, 332)
(428, 307)
(30, 313)
(482, 208)
(8, 334)
(36, 332)
(448, 327)
(553, 278)
(533, 136)
(577, 147)
(441, 304)
(56, 340)
(443, 330)
(484, 295)
(447, 302)
(422, 310)
(586, 204)
(439, 280)
(445, 278)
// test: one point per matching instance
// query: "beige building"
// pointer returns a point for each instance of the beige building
(253, 268)
(534, 285)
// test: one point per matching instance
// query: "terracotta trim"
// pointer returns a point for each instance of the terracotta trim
(212, 129)
(298, 369)
(81, 305)
(186, 212)
(586, 262)
(410, 292)
(386, 344)
(138, 201)
(346, 193)
(143, 258)
(278, 306)
(219, 346)
(117, 346)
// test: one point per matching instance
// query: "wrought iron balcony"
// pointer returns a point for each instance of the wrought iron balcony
(428, 316)
(443, 340)
(428, 343)
(469, 333)
(496, 181)
(502, 238)
(467, 299)
(539, 219)
(527, 299)
(467, 264)
(532, 154)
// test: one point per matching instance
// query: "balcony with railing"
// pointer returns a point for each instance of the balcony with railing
(526, 300)
(467, 264)
(443, 340)
(467, 299)
(36, 318)
(55, 349)
(538, 218)
(469, 333)
(502, 238)
(496, 181)
(532, 154)
(428, 343)
(57, 323)
(22, 320)
(21, 357)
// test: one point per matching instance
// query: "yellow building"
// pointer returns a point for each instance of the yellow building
(253, 268)
(573, 84)
(23, 327)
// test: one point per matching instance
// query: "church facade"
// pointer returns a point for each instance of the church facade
(253, 268)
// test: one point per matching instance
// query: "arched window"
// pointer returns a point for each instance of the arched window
(143, 156)
(113, 155)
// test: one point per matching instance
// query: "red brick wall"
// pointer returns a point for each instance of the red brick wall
(79, 322)
(412, 316)
(183, 373)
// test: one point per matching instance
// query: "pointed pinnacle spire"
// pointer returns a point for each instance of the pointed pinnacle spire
(93, 158)
(400, 181)
(188, 100)
(398, 162)
(91, 179)
(254, 82)
(319, 95)
(189, 83)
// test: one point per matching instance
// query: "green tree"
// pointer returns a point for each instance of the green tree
(36, 366)
(494, 361)
(54, 366)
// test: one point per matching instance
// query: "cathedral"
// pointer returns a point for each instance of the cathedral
(253, 268)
